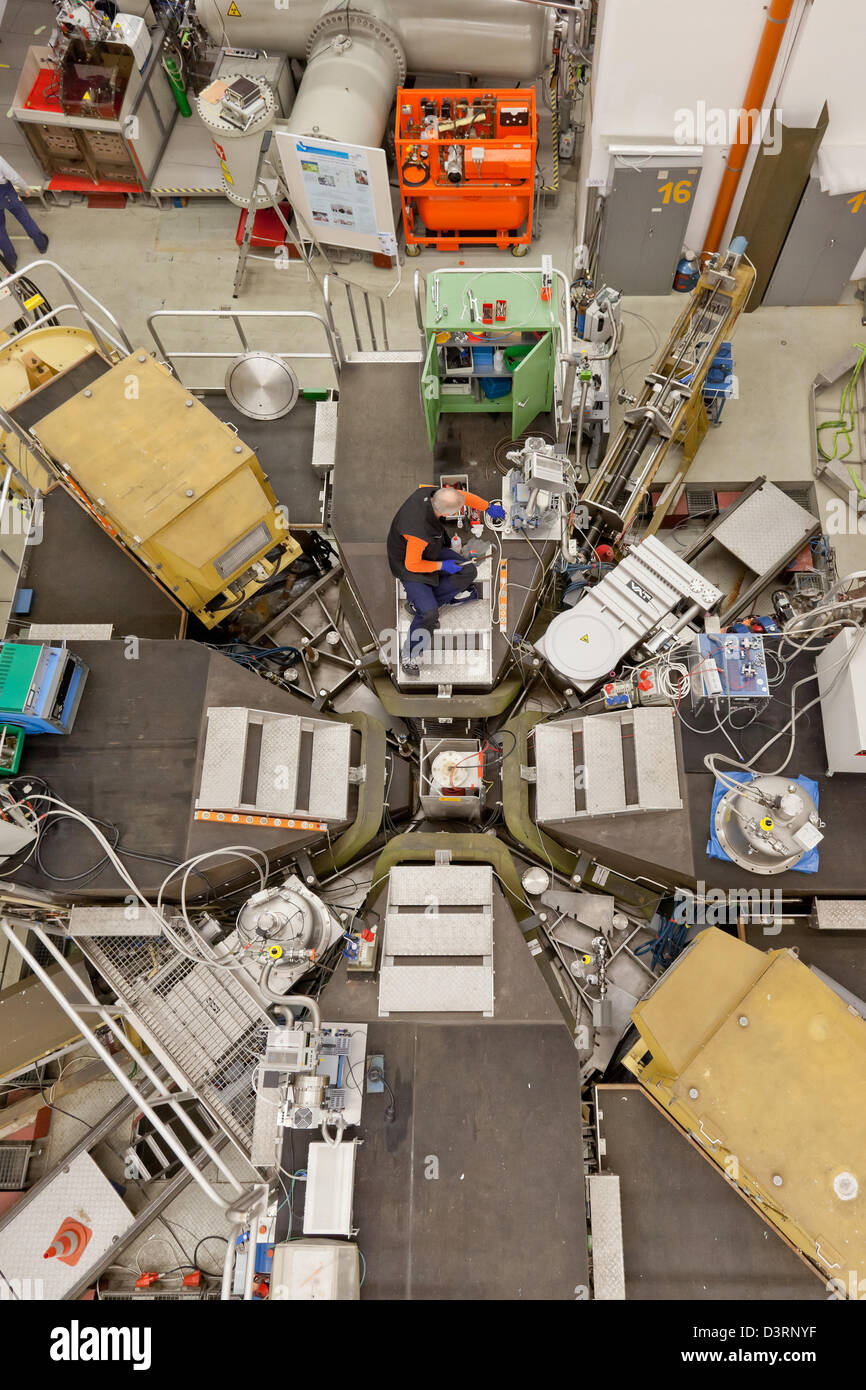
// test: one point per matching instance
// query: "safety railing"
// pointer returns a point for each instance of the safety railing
(246, 1204)
(108, 340)
(235, 316)
(367, 297)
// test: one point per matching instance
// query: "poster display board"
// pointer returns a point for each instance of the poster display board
(340, 192)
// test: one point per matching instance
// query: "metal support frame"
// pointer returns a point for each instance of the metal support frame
(246, 1201)
(152, 65)
(235, 316)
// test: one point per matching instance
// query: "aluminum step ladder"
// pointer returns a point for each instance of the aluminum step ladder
(606, 765)
(443, 911)
(275, 764)
(460, 651)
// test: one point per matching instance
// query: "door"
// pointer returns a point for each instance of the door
(430, 393)
(644, 222)
(826, 241)
(529, 387)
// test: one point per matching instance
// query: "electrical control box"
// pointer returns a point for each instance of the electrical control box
(843, 700)
(40, 686)
(728, 666)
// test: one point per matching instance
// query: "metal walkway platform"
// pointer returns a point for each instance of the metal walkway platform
(606, 764)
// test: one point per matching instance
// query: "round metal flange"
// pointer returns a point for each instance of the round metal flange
(746, 829)
(535, 880)
(581, 646)
(358, 24)
(261, 385)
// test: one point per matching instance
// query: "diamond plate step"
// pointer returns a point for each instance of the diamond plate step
(554, 762)
(222, 772)
(837, 914)
(460, 652)
(608, 1266)
(279, 762)
(329, 771)
(277, 788)
(655, 752)
(438, 934)
(324, 437)
(435, 989)
(604, 774)
(649, 736)
(445, 884)
(763, 530)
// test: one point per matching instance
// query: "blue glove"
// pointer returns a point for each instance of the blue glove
(450, 566)
(495, 512)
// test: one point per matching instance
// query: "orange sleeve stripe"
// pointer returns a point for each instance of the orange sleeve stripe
(478, 504)
(415, 547)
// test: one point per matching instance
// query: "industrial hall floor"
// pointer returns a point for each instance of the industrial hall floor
(458, 1085)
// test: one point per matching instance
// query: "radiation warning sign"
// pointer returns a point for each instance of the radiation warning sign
(233, 12)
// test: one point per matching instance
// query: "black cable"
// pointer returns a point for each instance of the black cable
(196, 1264)
(58, 1108)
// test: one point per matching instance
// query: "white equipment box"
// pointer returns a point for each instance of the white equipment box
(843, 701)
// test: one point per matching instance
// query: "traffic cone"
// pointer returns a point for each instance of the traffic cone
(69, 1243)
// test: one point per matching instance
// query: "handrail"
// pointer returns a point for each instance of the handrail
(334, 354)
(105, 338)
(245, 1200)
(368, 297)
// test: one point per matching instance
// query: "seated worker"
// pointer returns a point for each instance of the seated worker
(421, 557)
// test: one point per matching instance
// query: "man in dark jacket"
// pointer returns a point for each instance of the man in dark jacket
(421, 557)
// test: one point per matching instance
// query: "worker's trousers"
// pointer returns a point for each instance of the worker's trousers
(10, 202)
(427, 599)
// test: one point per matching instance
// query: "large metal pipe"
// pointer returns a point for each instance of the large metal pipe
(773, 32)
(355, 62)
(499, 39)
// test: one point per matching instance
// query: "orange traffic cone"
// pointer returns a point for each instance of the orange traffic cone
(68, 1245)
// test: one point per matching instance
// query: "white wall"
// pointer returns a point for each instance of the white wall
(653, 59)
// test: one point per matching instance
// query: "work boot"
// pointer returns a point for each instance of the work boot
(409, 667)
(469, 597)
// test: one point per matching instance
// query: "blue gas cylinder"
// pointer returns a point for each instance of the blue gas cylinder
(687, 275)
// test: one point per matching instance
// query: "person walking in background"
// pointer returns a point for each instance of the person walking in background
(10, 201)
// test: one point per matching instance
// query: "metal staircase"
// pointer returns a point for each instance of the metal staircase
(275, 764)
(443, 911)
(460, 650)
(606, 765)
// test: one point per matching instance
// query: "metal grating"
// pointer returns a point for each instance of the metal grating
(655, 751)
(14, 1162)
(603, 770)
(203, 1018)
(242, 551)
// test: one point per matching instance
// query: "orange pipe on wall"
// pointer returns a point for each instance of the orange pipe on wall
(778, 14)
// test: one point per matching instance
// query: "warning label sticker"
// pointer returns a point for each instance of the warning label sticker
(233, 12)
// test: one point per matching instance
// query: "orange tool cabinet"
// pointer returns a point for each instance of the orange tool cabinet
(466, 160)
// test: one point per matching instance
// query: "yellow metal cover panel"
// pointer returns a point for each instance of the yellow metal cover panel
(782, 1085)
(142, 444)
(228, 512)
(690, 1003)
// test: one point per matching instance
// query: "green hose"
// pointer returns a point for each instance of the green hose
(844, 426)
